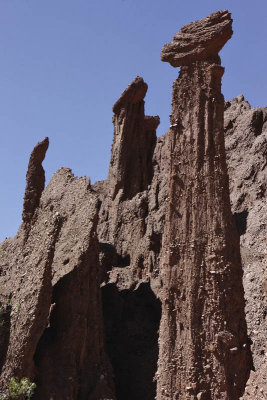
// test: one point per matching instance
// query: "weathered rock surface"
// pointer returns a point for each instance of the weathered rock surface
(35, 182)
(78, 341)
(124, 212)
(204, 348)
(131, 168)
(246, 149)
(56, 330)
(129, 231)
(199, 40)
(256, 388)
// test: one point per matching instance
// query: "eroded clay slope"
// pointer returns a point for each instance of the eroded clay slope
(246, 149)
(54, 333)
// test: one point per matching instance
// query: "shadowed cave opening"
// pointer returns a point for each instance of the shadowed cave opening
(257, 122)
(132, 321)
(241, 222)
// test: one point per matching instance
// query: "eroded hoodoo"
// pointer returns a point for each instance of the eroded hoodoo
(204, 348)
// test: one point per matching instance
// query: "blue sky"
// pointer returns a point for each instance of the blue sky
(65, 62)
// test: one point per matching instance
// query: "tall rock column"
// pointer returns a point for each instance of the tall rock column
(204, 348)
(35, 183)
(124, 195)
(133, 144)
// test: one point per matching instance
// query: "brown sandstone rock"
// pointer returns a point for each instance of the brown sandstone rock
(123, 215)
(56, 333)
(199, 40)
(246, 150)
(53, 330)
(35, 182)
(131, 168)
(204, 348)
(129, 230)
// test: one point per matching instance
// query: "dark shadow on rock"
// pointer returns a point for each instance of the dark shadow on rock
(241, 222)
(257, 122)
(131, 326)
(4, 332)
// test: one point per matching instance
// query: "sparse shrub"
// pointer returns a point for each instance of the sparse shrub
(19, 389)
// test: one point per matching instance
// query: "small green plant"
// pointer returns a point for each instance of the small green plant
(19, 389)
(9, 303)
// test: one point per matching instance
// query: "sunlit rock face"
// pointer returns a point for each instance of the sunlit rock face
(204, 348)
(132, 287)
(199, 40)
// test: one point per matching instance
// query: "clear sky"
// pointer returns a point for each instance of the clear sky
(65, 62)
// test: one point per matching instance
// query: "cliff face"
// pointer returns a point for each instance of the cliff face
(246, 149)
(132, 288)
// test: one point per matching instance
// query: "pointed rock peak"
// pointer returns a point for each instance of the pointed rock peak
(151, 122)
(199, 40)
(133, 94)
(35, 182)
(39, 151)
(131, 168)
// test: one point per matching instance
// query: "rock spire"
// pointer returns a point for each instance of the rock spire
(133, 144)
(204, 348)
(35, 182)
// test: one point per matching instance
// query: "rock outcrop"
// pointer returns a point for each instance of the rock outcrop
(130, 241)
(204, 348)
(124, 211)
(246, 150)
(131, 170)
(35, 183)
(55, 332)
(200, 40)
(132, 288)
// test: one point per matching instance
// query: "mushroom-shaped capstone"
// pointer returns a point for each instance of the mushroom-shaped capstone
(199, 40)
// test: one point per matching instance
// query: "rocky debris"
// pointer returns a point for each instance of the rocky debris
(199, 40)
(246, 149)
(204, 348)
(256, 388)
(131, 170)
(35, 182)
(53, 283)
